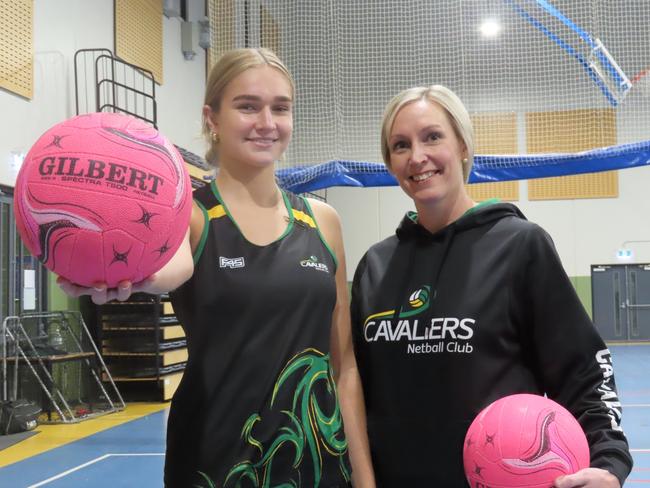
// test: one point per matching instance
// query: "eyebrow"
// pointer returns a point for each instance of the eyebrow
(255, 98)
(424, 129)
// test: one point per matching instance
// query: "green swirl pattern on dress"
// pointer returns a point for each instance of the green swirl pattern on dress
(310, 430)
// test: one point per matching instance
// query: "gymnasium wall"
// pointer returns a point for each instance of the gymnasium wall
(586, 231)
(60, 29)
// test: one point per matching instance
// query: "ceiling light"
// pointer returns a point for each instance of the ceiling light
(490, 28)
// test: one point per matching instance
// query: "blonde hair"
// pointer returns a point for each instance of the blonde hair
(230, 65)
(449, 101)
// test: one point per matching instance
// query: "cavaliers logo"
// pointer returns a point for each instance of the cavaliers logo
(419, 297)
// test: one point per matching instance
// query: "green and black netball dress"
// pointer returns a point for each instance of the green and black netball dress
(257, 405)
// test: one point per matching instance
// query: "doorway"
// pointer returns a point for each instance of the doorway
(621, 301)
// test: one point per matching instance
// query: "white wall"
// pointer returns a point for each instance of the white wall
(180, 99)
(60, 29)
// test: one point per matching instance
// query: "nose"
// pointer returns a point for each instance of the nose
(418, 153)
(265, 119)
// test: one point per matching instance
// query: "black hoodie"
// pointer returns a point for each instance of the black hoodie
(445, 323)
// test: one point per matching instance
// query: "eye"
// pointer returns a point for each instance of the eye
(247, 107)
(399, 145)
(434, 136)
(282, 108)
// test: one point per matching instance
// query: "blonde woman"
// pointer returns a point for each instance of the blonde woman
(467, 303)
(260, 289)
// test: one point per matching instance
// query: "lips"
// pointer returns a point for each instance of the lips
(425, 175)
(262, 141)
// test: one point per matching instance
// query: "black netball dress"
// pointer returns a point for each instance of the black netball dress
(257, 405)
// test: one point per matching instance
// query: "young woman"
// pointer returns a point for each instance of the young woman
(259, 286)
(466, 304)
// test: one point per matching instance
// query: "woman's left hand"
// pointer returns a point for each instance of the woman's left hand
(588, 477)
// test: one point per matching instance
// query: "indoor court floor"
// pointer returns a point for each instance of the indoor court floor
(126, 449)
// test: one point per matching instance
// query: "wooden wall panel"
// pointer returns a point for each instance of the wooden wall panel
(572, 131)
(222, 28)
(17, 46)
(139, 34)
(495, 133)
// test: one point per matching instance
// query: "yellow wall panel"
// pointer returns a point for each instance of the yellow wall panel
(572, 131)
(495, 133)
(17, 46)
(222, 22)
(592, 185)
(222, 29)
(270, 32)
(139, 35)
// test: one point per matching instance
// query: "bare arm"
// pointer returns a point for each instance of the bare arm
(176, 272)
(343, 361)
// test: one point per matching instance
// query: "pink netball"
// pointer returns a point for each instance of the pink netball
(523, 441)
(102, 198)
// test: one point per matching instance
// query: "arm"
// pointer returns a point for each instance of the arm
(343, 360)
(570, 360)
(176, 272)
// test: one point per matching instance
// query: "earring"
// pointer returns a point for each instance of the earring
(465, 160)
(214, 136)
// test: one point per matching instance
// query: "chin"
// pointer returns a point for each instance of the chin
(262, 163)
(259, 158)
(427, 197)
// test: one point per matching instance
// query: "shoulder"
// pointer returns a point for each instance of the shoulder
(516, 228)
(203, 200)
(528, 242)
(327, 220)
(197, 225)
(323, 213)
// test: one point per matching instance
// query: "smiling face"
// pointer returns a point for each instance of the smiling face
(254, 122)
(426, 154)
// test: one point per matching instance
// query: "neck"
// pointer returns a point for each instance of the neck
(438, 215)
(255, 185)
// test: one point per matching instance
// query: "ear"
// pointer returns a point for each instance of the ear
(209, 116)
(464, 153)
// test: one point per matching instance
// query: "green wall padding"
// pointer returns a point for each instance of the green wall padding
(582, 285)
(57, 300)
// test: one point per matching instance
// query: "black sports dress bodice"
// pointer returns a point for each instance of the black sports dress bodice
(257, 405)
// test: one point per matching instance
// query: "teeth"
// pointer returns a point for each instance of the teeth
(424, 176)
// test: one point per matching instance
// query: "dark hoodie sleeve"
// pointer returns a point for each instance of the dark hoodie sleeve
(571, 361)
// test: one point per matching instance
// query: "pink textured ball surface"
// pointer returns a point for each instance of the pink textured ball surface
(103, 197)
(523, 441)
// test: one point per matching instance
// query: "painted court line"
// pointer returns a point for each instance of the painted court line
(93, 461)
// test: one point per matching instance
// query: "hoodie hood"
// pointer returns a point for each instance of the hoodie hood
(409, 231)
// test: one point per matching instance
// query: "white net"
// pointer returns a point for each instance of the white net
(561, 67)
(641, 82)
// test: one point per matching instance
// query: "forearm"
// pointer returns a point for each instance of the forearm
(354, 417)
